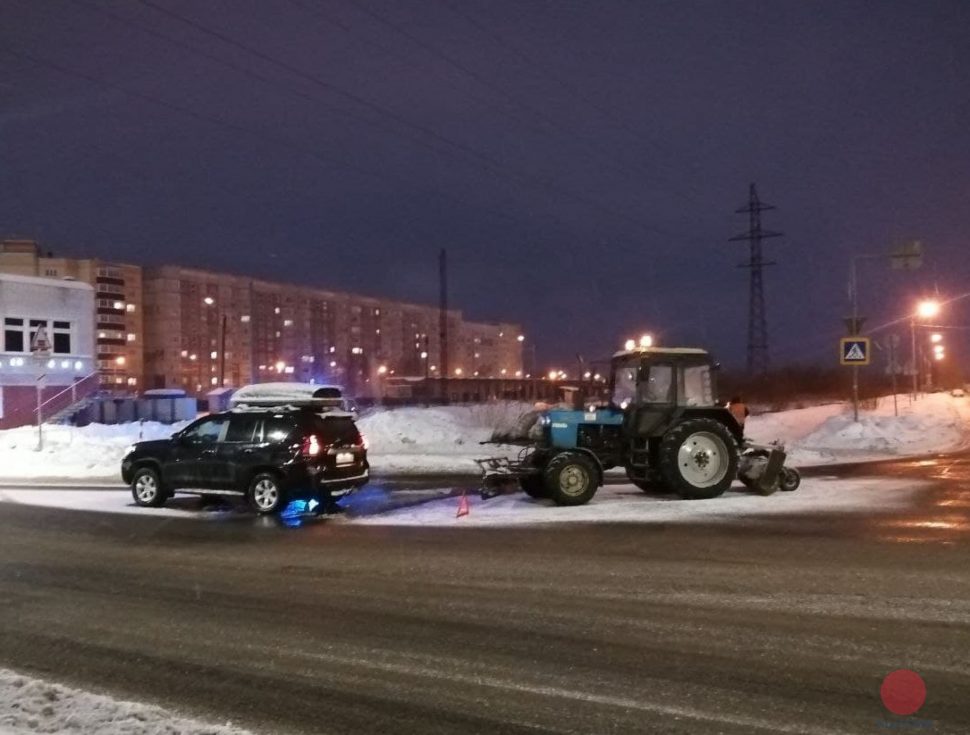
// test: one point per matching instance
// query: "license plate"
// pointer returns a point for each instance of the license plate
(345, 458)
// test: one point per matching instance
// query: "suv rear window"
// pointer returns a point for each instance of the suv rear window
(336, 429)
(278, 428)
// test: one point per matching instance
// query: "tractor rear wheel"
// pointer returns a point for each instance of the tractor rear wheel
(571, 478)
(698, 458)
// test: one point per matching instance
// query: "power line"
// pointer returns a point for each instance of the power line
(491, 164)
(569, 87)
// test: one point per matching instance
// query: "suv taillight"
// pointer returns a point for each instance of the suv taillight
(311, 446)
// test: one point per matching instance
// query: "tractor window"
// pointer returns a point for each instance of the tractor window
(624, 386)
(697, 389)
(657, 384)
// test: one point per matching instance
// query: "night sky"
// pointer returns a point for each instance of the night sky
(581, 161)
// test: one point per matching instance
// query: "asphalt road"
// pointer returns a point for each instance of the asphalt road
(785, 624)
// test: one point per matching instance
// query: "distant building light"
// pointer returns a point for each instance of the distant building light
(131, 337)
(333, 363)
(51, 363)
(382, 370)
(214, 381)
(287, 322)
(244, 318)
(424, 355)
(78, 365)
(332, 349)
(276, 310)
(280, 366)
(289, 370)
(357, 350)
(501, 334)
(521, 338)
(433, 368)
(129, 308)
(213, 354)
(209, 301)
(65, 364)
(503, 371)
(193, 356)
(119, 305)
(132, 381)
(458, 371)
(120, 360)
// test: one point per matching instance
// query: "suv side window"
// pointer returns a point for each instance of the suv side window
(243, 430)
(278, 428)
(206, 431)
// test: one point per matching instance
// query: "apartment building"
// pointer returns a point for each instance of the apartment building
(207, 329)
(119, 332)
(175, 327)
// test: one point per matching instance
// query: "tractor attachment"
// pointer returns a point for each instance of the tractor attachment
(762, 469)
(501, 475)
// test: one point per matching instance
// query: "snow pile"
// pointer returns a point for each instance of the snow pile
(32, 706)
(826, 434)
(627, 504)
(85, 453)
(445, 439)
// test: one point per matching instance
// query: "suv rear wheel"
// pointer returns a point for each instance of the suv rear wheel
(265, 494)
(146, 488)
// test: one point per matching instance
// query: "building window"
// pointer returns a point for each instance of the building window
(129, 308)
(13, 335)
(61, 338)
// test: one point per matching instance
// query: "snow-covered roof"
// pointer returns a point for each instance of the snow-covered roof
(283, 394)
(661, 351)
(49, 282)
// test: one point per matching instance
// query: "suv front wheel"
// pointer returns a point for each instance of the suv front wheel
(265, 495)
(146, 488)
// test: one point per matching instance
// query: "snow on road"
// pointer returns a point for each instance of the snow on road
(29, 706)
(446, 439)
(612, 503)
(627, 504)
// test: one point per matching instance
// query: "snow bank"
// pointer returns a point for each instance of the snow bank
(443, 439)
(32, 706)
(447, 439)
(82, 453)
(627, 504)
(825, 434)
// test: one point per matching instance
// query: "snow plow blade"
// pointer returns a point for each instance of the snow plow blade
(500, 475)
(764, 472)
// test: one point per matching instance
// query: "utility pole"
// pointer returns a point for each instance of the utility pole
(443, 322)
(757, 323)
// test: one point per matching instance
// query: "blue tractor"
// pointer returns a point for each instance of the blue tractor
(662, 424)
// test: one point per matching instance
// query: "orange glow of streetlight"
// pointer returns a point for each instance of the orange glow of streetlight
(928, 309)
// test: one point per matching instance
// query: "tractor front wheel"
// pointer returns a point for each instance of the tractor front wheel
(698, 458)
(571, 478)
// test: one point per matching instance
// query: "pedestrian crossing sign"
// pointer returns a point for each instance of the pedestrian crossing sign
(854, 351)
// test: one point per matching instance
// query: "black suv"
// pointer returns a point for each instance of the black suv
(269, 455)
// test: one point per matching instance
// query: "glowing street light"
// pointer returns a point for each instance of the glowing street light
(934, 338)
(458, 371)
(553, 374)
(938, 349)
(927, 309)
(382, 370)
(280, 366)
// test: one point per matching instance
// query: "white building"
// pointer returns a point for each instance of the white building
(64, 309)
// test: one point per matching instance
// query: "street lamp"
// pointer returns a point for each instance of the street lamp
(928, 309)
(925, 309)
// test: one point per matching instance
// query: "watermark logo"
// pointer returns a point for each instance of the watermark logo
(903, 692)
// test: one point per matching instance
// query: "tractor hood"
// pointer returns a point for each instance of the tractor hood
(563, 424)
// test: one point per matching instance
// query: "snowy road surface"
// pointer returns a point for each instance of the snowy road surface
(777, 622)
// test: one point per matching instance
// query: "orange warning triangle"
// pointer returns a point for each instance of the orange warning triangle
(463, 507)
